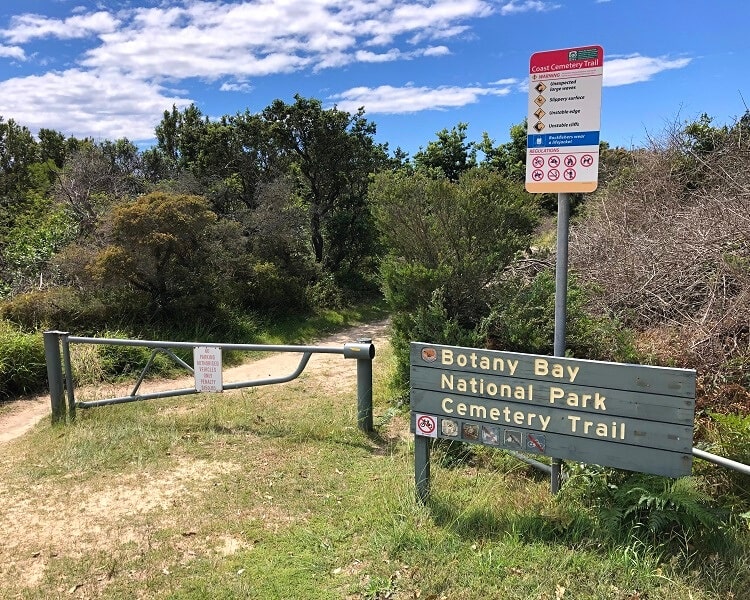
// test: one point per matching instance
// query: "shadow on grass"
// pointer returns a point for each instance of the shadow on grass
(478, 522)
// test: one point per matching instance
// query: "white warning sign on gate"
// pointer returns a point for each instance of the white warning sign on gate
(207, 368)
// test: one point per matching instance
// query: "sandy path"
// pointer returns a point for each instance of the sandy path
(22, 415)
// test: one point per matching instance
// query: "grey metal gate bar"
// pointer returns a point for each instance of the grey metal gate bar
(722, 461)
(59, 370)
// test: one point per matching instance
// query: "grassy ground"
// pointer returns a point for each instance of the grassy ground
(273, 493)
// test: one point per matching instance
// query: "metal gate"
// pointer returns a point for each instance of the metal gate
(60, 372)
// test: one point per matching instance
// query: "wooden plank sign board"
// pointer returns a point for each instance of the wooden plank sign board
(633, 417)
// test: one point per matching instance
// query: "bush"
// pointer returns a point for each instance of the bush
(448, 242)
(55, 308)
(22, 363)
(667, 245)
(657, 511)
(428, 322)
(523, 320)
(273, 291)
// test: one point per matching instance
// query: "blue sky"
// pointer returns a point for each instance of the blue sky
(108, 69)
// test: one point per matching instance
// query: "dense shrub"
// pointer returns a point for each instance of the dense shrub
(271, 290)
(523, 320)
(60, 308)
(22, 363)
(661, 513)
(447, 245)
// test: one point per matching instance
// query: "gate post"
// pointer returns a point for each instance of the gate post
(54, 374)
(364, 352)
(364, 394)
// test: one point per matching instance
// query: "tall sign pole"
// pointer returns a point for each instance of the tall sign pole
(562, 152)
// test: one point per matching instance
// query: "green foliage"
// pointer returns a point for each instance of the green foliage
(450, 156)
(165, 245)
(523, 320)
(659, 512)
(117, 361)
(428, 322)
(332, 153)
(60, 308)
(729, 436)
(447, 245)
(38, 231)
(22, 364)
(272, 291)
(509, 158)
(468, 232)
(18, 150)
(325, 293)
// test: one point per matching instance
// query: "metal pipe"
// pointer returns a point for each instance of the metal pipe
(68, 377)
(422, 467)
(720, 460)
(186, 391)
(534, 463)
(561, 304)
(364, 386)
(54, 374)
(345, 350)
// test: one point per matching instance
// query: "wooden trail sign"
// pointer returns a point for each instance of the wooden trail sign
(627, 416)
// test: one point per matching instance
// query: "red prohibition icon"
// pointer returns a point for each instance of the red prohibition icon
(537, 162)
(569, 174)
(587, 160)
(426, 424)
(537, 175)
(553, 161)
(553, 174)
(570, 161)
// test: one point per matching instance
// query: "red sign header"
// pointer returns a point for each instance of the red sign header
(585, 57)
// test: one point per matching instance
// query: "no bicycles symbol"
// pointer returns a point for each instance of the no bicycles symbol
(427, 425)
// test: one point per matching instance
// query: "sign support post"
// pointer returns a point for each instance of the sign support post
(422, 467)
(561, 305)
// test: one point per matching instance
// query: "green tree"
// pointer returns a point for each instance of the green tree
(18, 150)
(170, 247)
(451, 155)
(333, 153)
(448, 244)
(508, 158)
(52, 146)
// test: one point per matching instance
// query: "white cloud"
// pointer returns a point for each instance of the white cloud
(387, 99)
(515, 7)
(12, 52)
(506, 81)
(236, 87)
(250, 38)
(25, 28)
(116, 86)
(103, 105)
(637, 68)
(436, 51)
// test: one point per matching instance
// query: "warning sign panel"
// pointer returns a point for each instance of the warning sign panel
(207, 369)
(568, 83)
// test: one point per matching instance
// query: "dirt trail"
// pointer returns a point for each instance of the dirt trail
(22, 415)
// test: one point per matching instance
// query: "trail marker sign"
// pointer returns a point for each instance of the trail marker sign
(563, 121)
(633, 417)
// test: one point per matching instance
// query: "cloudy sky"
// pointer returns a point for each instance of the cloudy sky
(108, 69)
